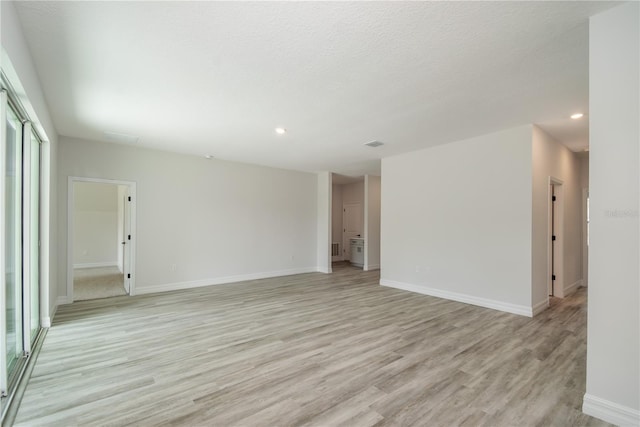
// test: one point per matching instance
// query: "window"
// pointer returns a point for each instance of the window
(20, 230)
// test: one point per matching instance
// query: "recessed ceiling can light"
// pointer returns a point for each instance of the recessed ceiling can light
(577, 116)
(374, 143)
(281, 131)
(208, 157)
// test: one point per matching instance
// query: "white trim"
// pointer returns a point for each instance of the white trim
(320, 269)
(540, 307)
(568, 290)
(455, 296)
(70, 210)
(26, 237)
(95, 265)
(47, 321)
(558, 253)
(372, 267)
(45, 230)
(365, 225)
(3, 271)
(62, 301)
(585, 237)
(610, 412)
(330, 225)
(166, 287)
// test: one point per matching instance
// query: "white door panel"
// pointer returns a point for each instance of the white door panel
(352, 226)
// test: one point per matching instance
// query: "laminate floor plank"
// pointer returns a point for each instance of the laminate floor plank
(311, 349)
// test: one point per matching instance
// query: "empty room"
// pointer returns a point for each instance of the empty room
(320, 213)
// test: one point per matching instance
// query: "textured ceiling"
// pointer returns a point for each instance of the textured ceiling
(218, 77)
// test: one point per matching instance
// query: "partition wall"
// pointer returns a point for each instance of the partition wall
(20, 319)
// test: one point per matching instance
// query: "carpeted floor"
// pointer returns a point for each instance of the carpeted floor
(94, 283)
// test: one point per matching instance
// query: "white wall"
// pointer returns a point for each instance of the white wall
(456, 220)
(95, 225)
(336, 218)
(552, 159)
(19, 67)
(201, 221)
(613, 341)
(323, 206)
(372, 222)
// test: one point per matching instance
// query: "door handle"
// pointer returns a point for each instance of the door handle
(124, 243)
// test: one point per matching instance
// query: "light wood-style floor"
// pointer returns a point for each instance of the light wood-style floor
(310, 349)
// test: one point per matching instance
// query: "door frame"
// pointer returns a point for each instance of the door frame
(585, 237)
(70, 229)
(555, 219)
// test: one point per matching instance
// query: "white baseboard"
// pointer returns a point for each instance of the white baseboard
(95, 265)
(48, 320)
(166, 287)
(609, 411)
(540, 307)
(62, 301)
(372, 267)
(326, 270)
(568, 290)
(455, 296)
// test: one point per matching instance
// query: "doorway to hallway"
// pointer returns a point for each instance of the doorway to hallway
(100, 241)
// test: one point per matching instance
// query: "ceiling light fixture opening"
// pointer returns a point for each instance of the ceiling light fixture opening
(374, 143)
(577, 116)
(208, 157)
(281, 131)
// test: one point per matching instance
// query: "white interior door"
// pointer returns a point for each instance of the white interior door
(351, 225)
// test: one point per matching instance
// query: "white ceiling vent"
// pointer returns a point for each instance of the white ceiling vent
(122, 138)
(374, 143)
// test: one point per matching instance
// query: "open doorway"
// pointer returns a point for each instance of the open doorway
(355, 221)
(100, 253)
(347, 223)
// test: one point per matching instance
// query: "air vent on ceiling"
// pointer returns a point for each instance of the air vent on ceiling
(121, 137)
(374, 144)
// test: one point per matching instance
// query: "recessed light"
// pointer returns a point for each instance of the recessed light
(281, 131)
(208, 157)
(577, 116)
(374, 143)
